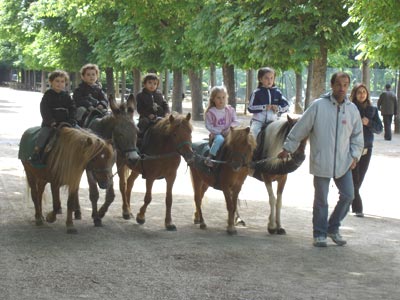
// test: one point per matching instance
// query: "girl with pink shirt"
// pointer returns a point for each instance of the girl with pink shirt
(219, 118)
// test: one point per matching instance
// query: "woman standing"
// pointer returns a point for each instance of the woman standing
(371, 124)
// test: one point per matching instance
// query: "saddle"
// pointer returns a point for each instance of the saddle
(89, 117)
(258, 152)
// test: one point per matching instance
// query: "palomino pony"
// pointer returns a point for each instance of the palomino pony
(228, 175)
(270, 168)
(74, 151)
(168, 140)
(121, 129)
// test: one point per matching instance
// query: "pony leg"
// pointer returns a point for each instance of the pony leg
(168, 203)
(94, 197)
(71, 204)
(51, 217)
(281, 186)
(37, 189)
(272, 204)
(231, 207)
(110, 196)
(199, 189)
(140, 217)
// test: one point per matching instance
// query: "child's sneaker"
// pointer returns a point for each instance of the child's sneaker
(208, 162)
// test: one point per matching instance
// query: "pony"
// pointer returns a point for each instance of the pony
(230, 172)
(118, 126)
(166, 141)
(74, 151)
(270, 168)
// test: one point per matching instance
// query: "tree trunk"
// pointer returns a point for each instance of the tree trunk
(165, 87)
(137, 84)
(177, 90)
(250, 87)
(397, 118)
(213, 76)
(307, 100)
(123, 84)
(44, 82)
(298, 106)
(110, 81)
(196, 77)
(366, 76)
(319, 74)
(116, 85)
(228, 72)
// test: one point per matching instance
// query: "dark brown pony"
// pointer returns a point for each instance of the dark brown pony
(228, 175)
(74, 151)
(168, 140)
(270, 168)
(121, 129)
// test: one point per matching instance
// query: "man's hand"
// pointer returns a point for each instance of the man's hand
(283, 154)
(354, 163)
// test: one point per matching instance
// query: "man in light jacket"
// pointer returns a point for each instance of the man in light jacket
(333, 125)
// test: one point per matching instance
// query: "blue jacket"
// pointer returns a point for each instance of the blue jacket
(261, 97)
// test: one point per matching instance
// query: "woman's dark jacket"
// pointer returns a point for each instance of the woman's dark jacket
(374, 125)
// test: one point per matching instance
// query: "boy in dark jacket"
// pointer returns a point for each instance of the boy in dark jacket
(89, 95)
(151, 104)
(56, 107)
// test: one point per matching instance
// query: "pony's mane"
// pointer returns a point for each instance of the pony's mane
(74, 148)
(275, 135)
(240, 135)
(165, 127)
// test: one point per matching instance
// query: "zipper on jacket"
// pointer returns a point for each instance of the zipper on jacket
(336, 138)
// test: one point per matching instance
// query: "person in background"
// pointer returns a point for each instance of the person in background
(151, 104)
(89, 94)
(334, 128)
(371, 124)
(56, 107)
(219, 118)
(387, 104)
(266, 102)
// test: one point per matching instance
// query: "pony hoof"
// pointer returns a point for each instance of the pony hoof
(72, 230)
(59, 211)
(127, 216)
(39, 221)
(170, 227)
(232, 231)
(281, 231)
(77, 215)
(272, 231)
(196, 222)
(203, 226)
(97, 223)
(140, 221)
(51, 218)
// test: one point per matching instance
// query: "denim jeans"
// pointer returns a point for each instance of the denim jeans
(216, 144)
(321, 225)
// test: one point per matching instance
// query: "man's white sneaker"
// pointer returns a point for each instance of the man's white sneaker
(320, 241)
(337, 239)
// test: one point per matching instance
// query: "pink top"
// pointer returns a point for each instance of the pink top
(218, 121)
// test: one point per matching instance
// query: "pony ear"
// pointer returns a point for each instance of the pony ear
(188, 116)
(113, 103)
(248, 129)
(171, 118)
(89, 141)
(290, 120)
(131, 101)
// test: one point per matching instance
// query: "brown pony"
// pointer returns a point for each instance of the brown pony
(74, 151)
(168, 140)
(228, 175)
(270, 168)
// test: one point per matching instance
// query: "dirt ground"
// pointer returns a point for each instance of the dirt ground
(124, 260)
